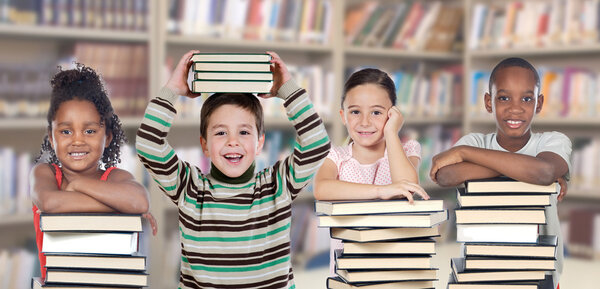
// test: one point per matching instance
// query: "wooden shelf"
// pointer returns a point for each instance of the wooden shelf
(537, 51)
(192, 40)
(397, 53)
(70, 33)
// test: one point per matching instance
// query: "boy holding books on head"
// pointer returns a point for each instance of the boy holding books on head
(513, 150)
(234, 224)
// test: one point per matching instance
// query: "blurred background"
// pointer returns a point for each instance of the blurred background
(439, 54)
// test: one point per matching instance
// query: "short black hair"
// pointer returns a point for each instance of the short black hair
(512, 62)
(83, 83)
(244, 100)
(373, 76)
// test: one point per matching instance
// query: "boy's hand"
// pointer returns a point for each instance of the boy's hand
(394, 123)
(402, 189)
(449, 157)
(178, 82)
(563, 188)
(280, 74)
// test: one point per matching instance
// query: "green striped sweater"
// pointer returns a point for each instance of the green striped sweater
(234, 235)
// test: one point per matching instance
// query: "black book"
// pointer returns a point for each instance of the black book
(339, 283)
(462, 275)
(38, 283)
(96, 277)
(546, 283)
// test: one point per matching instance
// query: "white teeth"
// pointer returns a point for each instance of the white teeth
(233, 156)
(77, 154)
(514, 121)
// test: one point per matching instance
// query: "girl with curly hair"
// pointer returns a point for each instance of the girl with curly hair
(76, 171)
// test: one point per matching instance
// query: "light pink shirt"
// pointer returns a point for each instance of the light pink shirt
(350, 170)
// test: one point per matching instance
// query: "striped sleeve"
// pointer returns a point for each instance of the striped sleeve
(153, 150)
(312, 143)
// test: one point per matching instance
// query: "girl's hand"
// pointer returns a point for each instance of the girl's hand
(402, 189)
(394, 123)
(563, 188)
(153, 224)
(178, 82)
(280, 74)
(449, 157)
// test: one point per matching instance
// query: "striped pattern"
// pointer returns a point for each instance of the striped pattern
(234, 236)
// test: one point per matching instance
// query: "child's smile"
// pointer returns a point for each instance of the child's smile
(365, 114)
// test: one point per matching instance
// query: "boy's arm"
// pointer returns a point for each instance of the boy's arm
(542, 169)
(312, 142)
(456, 174)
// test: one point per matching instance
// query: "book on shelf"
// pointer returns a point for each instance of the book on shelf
(352, 276)
(495, 233)
(497, 264)
(339, 283)
(500, 200)
(445, 30)
(412, 247)
(508, 185)
(231, 57)
(38, 283)
(97, 277)
(122, 243)
(382, 234)
(462, 275)
(90, 261)
(500, 216)
(584, 233)
(335, 208)
(384, 220)
(233, 86)
(227, 75)
(542, 284)
(389, 261)
(232, 66)
(91, 222)
(545, 247)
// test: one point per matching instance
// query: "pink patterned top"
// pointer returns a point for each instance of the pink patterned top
(350, 170)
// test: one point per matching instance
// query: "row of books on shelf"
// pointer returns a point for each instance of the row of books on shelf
(568, 92)
(534, 23)
(95, 14)
(409, 25)
(25, 89)
(17, 266)
(585, 164)
(303, 21)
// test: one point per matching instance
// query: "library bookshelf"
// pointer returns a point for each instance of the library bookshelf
(27, 43)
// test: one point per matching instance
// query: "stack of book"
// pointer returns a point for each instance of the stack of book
(92, 250)
(232, 72)
(387, 243)
(497, 219)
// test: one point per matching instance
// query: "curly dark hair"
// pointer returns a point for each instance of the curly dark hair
(83, 83)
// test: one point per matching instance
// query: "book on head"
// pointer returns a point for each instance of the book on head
(232, 66)
(229, 75)
(334, 208)
(91, 222)
(231, 57)
(382, 234)
(233, 86)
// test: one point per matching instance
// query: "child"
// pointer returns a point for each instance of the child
(375, 165)
(513, 150)
(76, 169)
(234, 224)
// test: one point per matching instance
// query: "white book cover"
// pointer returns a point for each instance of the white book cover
(92, 243)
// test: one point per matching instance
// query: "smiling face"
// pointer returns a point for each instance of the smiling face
(364, 114)
(514, 101)
(232, 140)
(78, 137)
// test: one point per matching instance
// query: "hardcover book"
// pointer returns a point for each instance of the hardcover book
(231, 57)
(235, 86)
(376, 207)
(507, 233)
(508, 185)
(500, 216)
(38, 283)
(352, 276)
(120, 243)
(90, 222)
(339, 283)
(545, 247)
(98, 277)
(384, 220)
(462, 275)
(87, 261)
(500, 200)
(390, 261)
(382, 234)
(417, 246)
